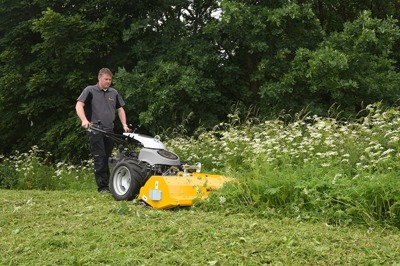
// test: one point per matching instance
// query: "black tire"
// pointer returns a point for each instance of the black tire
(127, 177)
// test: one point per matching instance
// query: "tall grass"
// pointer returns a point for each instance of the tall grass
(309, 168)
(33, 170)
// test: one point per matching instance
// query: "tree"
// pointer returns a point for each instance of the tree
(333, 14)
(260, 40)
(187, 62)
(351, 68)
(204, 62)
(175, 78)
(47, 60)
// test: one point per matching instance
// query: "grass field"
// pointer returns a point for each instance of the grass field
(311, 191)
(87, 228)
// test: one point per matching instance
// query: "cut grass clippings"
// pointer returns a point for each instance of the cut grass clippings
(87, 228)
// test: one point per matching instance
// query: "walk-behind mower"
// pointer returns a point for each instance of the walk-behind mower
(156, 176)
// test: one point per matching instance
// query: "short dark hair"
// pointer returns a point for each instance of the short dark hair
(105, 71)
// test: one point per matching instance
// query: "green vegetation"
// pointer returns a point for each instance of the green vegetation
(309, 190)
(309, 168)
(180, 60)
(309, 187)
(87, 228)
(33, 170)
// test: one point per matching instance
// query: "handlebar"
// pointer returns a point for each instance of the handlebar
(116, 137)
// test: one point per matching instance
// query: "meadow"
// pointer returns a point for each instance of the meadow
(305, 190)
(306, 167)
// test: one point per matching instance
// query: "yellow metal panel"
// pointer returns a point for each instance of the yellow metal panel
(179, 190)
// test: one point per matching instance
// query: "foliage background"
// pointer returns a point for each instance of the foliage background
(178, 61)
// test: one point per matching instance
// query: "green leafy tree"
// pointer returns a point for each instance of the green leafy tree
(204, 56)
(350, 68)
(47, 60)
(259, 40)
(333, 14)
(187, 62)
(175, 79)
(15, 35)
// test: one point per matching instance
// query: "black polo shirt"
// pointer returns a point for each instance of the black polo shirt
(101, 105)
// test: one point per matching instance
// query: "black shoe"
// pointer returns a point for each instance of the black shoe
(104, 190)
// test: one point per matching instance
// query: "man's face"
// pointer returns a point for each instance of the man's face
(104, 81)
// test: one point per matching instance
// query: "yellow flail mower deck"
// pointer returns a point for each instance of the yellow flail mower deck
(166, 192)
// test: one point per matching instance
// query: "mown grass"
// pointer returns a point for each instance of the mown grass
(87, 228)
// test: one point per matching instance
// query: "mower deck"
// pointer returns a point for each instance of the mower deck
(165, 192)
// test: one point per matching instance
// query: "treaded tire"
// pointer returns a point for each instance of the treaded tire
(127, 177)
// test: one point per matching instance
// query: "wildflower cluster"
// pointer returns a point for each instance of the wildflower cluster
(312, 167)
(34, 170)
(368, 145)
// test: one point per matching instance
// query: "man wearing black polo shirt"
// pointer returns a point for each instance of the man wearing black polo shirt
(97, 106)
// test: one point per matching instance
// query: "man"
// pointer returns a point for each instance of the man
(97, 106)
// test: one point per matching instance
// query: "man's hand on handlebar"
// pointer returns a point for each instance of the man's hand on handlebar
(86, 124)
(126, 128)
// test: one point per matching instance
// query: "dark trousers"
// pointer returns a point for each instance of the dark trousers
(101, 148)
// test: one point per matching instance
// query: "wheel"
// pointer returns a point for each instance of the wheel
(127, 177)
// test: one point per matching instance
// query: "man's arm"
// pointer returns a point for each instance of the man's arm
(81, 114)
(122, 117)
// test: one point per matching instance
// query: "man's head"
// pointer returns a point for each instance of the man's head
(105, 78)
